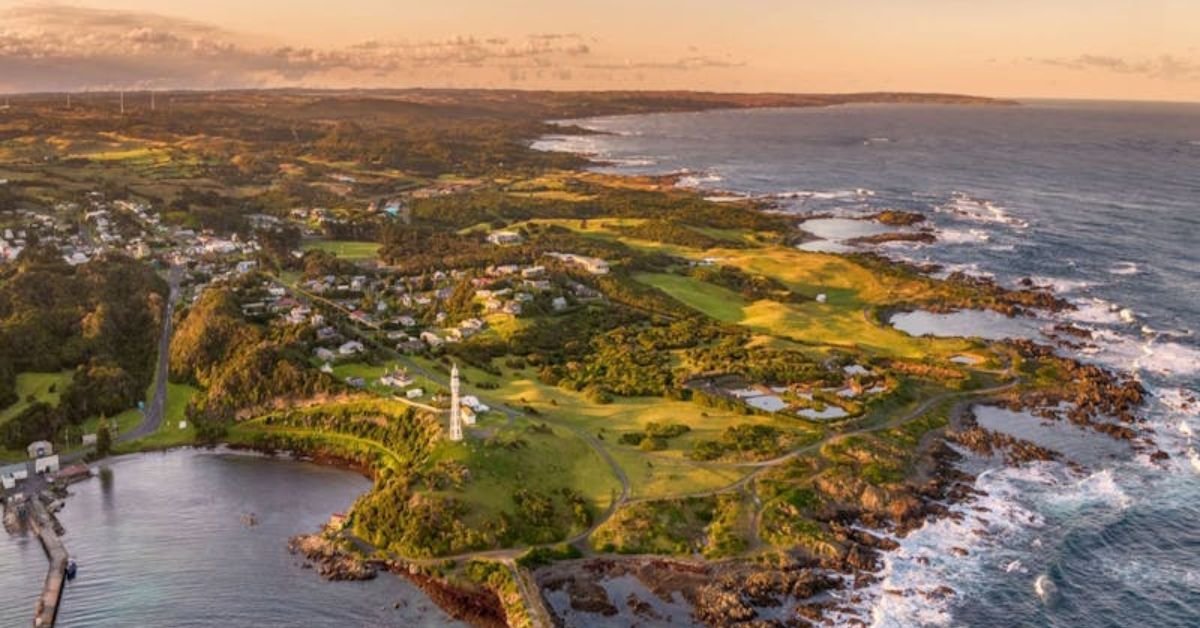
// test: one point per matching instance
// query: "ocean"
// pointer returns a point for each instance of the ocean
(1099, 200)
(163, 539)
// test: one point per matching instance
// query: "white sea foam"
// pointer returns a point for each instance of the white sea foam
(963, 236)
(1094, 310)
(1044, 587)
(972, 268)
(824, 195)
(1060, 284)
(926, 558)
(631, 162)
(698, 180)
(980, 210)
(579, 144)
(1152, 355)
(1124, 268)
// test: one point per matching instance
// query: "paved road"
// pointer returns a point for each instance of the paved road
(156, 407)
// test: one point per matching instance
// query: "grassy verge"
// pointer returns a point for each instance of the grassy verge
(345, 249)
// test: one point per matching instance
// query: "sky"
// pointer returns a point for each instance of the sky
(1102, 49)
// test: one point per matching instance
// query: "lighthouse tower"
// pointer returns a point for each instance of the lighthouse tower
(456, 428)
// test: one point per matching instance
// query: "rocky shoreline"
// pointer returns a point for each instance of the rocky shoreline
(334, 559)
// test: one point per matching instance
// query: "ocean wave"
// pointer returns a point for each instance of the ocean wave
(697, 180)
(1095, 310)
(968, 207)
(1098, 489)
(1124, 269)
(1151, 355)
(967, 268)
(631, 162)
(931, 557)
(963, 236)
(824, 195)
(1061, 285)
(587, 145)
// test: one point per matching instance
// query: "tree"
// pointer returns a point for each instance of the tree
(103, 438)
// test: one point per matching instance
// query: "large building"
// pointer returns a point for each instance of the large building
(456, 427)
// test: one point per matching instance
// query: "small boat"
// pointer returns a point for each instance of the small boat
(71, 569)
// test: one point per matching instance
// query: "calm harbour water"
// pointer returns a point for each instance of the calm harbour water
(1099, 200)
(160, 541)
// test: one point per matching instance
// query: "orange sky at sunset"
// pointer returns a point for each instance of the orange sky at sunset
(1113, 49)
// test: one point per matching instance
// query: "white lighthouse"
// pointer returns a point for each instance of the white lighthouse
(456, 428)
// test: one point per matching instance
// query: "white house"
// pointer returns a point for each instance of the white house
(503, 238)
(414, 393)
(593, 265)
(325, 355)
(396, 379)
(472, 402)
(431, 339)
(351, 347)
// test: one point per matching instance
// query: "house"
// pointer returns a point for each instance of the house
(472, 402)
(89, 439)
(46, 464)
(407, 321)
(396, 379)
(504, 238)
(356, 382)
(327, 368)
(593, 265)
(245, 266)
(431, 339)
(325, 355)
(351, 347)
(472, 326)
(414, 393)
(40, 448)
(559, 304)
(13, 473)
(411, 345)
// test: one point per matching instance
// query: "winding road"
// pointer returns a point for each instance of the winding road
(152, 417)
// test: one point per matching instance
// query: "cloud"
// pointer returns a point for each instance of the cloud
(1167, 67)
(56, 46)
(694, 62)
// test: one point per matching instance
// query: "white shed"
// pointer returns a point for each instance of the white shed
(47, 464)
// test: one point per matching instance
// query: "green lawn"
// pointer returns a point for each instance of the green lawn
(547, 461)
(169, 434)
(45, 387)
(345, 249)
(372, 374)
(842, 320)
